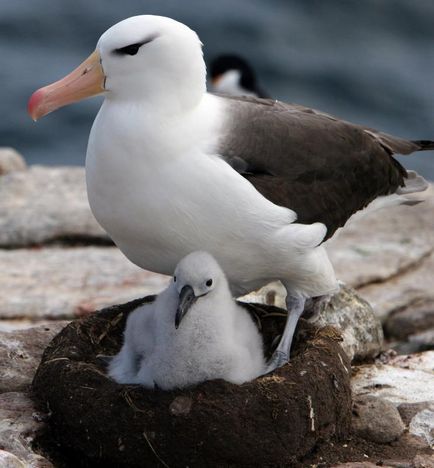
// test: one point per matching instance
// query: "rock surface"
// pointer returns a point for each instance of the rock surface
(18, 425)
(407, 322)
(59, 283)
(43, 204)
(11, 161)
(9, 460)
(404, 379)
(20, 354)
(360, 328)
(376, 419)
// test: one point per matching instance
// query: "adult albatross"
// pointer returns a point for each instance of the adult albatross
(259, 184)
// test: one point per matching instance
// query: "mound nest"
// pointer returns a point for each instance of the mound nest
(273, 420)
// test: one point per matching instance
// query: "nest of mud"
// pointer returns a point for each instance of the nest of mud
(273, 420)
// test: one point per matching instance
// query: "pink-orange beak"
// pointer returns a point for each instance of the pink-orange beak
(85, 81)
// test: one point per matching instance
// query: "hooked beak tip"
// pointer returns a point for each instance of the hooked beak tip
(186, 299)
(33, 105)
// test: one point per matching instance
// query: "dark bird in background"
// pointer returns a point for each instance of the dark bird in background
(231, 74)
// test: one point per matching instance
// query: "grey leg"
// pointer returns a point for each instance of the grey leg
(315, 306)
(295, 306)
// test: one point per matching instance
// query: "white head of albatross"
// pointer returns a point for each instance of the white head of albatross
(259, 184)
(143, 58)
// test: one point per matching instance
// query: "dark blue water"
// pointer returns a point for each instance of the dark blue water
(369, 61)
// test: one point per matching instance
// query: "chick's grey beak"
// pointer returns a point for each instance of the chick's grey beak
(186, 300)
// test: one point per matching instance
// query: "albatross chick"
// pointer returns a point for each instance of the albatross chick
(194, 331)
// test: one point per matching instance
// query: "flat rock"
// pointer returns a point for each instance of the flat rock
(44, 204)
(20, 354)
(383, 243)
(376, 419)
(404, 379)
(403, 291)
(11, 161)
(18, 426)
(63, 283)
(410, 320)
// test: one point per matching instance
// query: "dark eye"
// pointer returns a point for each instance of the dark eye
(209, 283)
(131, 49)
(174, 279)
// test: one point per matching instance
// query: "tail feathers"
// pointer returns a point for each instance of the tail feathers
(398, 145)
(424, 145)
(413, 183)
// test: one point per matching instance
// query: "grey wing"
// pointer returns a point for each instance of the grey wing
(138, 341)
(323, 168)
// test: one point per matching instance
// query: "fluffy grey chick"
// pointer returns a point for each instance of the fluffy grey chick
(194, 331)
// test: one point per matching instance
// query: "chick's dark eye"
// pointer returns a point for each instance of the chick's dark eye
(174, 279)
(209, 283)
(131, 49)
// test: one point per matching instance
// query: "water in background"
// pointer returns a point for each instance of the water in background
(369, 61)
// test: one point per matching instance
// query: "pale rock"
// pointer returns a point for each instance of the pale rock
(20, 354)
(404, 379)
(9, 460)
(422, 425)
(410, 287)
(376, 419)
(419, 361)
(11, 161)
(43, 204)
(18, 427)
(272, 294)
(63, 283)
(360, 328)
(383, 243)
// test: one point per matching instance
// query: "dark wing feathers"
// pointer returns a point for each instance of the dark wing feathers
(323, 168)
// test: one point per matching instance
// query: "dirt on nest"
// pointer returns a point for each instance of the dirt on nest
(275, 420)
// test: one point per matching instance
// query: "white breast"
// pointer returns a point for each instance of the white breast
(155, 188)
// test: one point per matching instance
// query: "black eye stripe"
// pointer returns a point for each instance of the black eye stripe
(132, 49)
